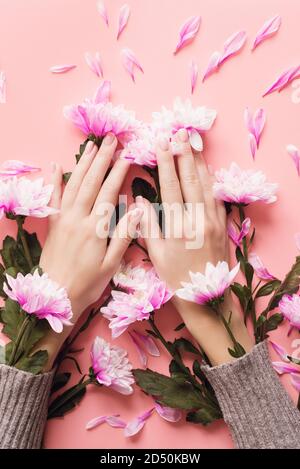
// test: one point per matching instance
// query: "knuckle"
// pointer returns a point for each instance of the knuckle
(191, 178)
(171, 183)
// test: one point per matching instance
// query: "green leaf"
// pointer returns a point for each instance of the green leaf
(205, 415)
(66, 176)
(12, 317)
(2, 280)
(273, 322)
(268, 288)
(176, 372)
(243, 294)
(186, 345)
(66, 401)
(238, 351)
(34, 246)
(296, 361)
(289, 285)
(33, 334)
(33, 364)
(179, 327)
(168, 391)
(13, 255)
(142, 187)
(2, 355)
(249, 272)
(60, 380)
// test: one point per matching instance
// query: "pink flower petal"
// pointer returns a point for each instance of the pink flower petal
(248, 120)
(112, 420)
(236, 236)
(295, 380)
(232, 45)
(280, 351)
(188, 32)
(142, 356)
(193, 75)
(260, 270)
(136, 425)
(2, 88)
(94, 62)
(269, 28)
(62, 68)
(130, 62)
(102, 11)
(281, 368)
(123, 18)
(95, 422)
(167, 413)
(253, 145)
(283, 80)
(297, 240)
(15, 167)
(245, 228)
(149, 344)
(102, 94)
(212, 65)
(295, 155)
(259, 120)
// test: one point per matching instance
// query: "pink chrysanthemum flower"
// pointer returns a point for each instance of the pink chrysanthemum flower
(141, 149)
(98, 116)
(39, 295)
(11, 168)
(145, 292)
(243, 187)
(25, 197)
(289, 306)
(111, 366)
(195, 120)
(208, 287)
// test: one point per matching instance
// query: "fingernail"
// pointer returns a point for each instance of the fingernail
(139, 199)
(183, 135)
(109, 138)
(89, 146)
(53, 167)
(136, 214)
(163, 143)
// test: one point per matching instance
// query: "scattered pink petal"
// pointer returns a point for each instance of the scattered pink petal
(297, 240)
(280, 351)
(255, 124)
(102, 94)
(260, 270)
(253, 145)
(283, 80)
(15, 167)
(142, 356)
(102, 11)
(123, 18)
(212, 65)
(281, 368)
(295, 380)
(232, 45)
(295, 155)
(188, 32)
(130, 62)
(94, 62)
(62, 68)
(269, 28)
(136, 425)
(112, 420)
(2, 88)
(236, 236)
(148, 343)
(193, 75)
(167, 413)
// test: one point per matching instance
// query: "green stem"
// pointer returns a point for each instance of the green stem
(68, 395)
(14, 352)
(235, 343)
(23, 239)
(245, 247)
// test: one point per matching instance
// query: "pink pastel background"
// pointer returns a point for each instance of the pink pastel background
(36, 34)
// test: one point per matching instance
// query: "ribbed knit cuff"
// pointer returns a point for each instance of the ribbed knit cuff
(23, 407)
(256, 407)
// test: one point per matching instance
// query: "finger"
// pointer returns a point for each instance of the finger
(149, 227)
(111, 187)
(188, 174)
(169, 183)
(122, 237)
(78, 174)
(56, 181)
(93, 179)
(206, 183)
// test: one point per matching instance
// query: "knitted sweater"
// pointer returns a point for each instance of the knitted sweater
(256, 407)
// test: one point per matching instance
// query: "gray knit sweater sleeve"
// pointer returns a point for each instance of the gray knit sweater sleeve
(255, 406)
(23, 407)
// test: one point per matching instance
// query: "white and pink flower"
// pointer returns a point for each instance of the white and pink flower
(22, 196)
(289, 306)
(37, 294)
(241, 187)
(141, 149)
(259, 267)
(208, 287)
(111, 366)
(12, 168)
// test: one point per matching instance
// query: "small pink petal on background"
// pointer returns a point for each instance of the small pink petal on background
(269, 28)
(94, 62)
(255, 124)
(15, 167)
(142, 355)
(62, 68)
(232, 45)
(167, 413)
(212, 65)
(136, 425)
(123, 19)
(102, 11)
(188, 32)
(295, 380)
(295, 155)
(281, 368)
(280, 351)
(102, 94)
(148, 343)
(283, 80)
(112, 420)
(193, 75)
(297, 240)
(237, 236)
(2, 87)
(252, 145)
(260, 270)
(130, 62)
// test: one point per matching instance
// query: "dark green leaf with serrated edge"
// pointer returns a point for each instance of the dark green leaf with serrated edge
(186, 345)
(59, 381)
(205, 415)
(176, 373)
(33, 364)
(179, 327)
(12, 317)
(66, 401)
(268, 288)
